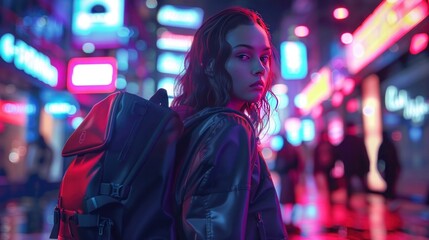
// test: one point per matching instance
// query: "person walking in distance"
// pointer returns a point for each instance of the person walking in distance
(323, 157)
(352, 152)
(289, 166)
(389, 166)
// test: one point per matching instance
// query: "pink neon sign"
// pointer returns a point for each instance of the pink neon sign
(389, 22)
(92, 75)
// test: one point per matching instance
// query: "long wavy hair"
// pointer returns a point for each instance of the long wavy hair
(209, 52)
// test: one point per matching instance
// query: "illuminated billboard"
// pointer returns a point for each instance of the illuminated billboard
(317, 91)
(97, 22)
(183, 17)
(389, 22)
(293, 60)
(92, 75)
(29, 60)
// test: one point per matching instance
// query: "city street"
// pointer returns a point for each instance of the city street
(368, 218)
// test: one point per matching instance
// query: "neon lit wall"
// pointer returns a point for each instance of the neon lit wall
(372, 126)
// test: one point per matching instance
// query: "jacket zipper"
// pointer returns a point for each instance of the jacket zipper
(261, 227)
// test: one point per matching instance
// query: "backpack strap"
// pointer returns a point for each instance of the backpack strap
(104, 225)
(56, 228)
(99, 201)
(115, 190)
(160, 97)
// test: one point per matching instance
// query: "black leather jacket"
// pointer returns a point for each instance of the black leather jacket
(223, 187)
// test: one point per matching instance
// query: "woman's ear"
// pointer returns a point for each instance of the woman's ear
(209, 70)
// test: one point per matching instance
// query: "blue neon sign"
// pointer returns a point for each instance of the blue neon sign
(184, 17)
(97, 15)
(28, 59)
(293, 60)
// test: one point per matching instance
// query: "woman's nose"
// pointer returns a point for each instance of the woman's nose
(258, 67)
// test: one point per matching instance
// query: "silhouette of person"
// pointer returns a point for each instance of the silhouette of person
(388, 165)
(39, 160)
(289, 165)
(352, 152)
(323, 156)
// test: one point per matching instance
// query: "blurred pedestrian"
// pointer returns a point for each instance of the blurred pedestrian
(289, 165)
(323, 156)
(389, 166)
(352, 152)
(39, 160)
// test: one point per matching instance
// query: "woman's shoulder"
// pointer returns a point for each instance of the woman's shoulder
(229, 117)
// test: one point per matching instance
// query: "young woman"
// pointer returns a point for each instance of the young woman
(223, 186)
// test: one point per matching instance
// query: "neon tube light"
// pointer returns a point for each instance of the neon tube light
(389, 22)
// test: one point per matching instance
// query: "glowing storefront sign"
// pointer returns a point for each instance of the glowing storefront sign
(293, 60)
(97, 21)
(13, 112)
(390, 21)
(28, 59)
(60, 108)
(184, 17)
(414, 109)
(317, 91)
(170, 63)
(92, 75)
(175, 42)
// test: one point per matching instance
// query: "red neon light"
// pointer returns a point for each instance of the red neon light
(418, 43)
(390, 21)
(352, 105)
(13, 112)
(92, 75)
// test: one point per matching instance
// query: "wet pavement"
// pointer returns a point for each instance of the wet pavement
(367, 217)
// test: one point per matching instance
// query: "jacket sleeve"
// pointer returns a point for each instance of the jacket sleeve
(264, 213)
(217, 198)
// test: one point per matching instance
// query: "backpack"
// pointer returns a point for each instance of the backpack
(119, 183)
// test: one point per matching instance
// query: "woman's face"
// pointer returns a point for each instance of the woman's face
(248, 65)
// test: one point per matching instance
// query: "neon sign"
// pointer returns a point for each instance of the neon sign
(293, 60)
(28, 59)
(177, 42)
(317, 91)
(99, 22)
(390, 21)
(60, 108)
(92, 75)
(15, 112)
(184, 17)
(170, 63)
(414, 109)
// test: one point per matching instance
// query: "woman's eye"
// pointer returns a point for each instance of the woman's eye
(243, 57)
(265, 59)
